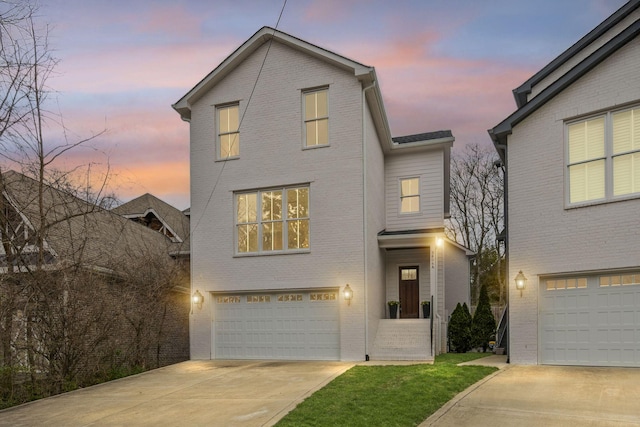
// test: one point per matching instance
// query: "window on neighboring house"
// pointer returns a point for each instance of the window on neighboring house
(410, 195)
(604, 156)
(316, 117)
(228, 133)
(273, 220)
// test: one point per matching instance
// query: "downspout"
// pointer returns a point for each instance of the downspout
(506, 238)
(365, 227)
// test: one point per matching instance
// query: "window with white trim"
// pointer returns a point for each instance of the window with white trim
(273, 220)
(316, 117)
(409, 195)
(603, 157)
(228, 131)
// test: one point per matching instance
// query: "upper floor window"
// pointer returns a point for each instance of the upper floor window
(410, 195)
(604, 156)
(316, 117)
(228, 132)
(273, 220)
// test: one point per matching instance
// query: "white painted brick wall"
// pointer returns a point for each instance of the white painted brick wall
(544, 237)
(271, 155)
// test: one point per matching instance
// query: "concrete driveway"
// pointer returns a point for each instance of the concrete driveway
(547, 396)
(194, 393)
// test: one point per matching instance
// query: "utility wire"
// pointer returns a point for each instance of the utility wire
(264, 60)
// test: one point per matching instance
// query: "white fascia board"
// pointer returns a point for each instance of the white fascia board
(423, 145)
(397, 241)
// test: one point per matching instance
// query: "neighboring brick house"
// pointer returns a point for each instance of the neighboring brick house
(309, 216)
(87, 247)
(572, 156)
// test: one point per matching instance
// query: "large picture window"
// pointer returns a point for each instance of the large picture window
(604, 157)
(228, 131)
(316, 117)
(272, 220)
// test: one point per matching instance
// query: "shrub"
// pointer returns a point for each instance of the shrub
(460, 329)
(484, 324)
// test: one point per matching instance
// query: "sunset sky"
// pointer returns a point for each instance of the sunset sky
(441, 65)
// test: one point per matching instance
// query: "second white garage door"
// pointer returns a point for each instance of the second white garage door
(591, 320)
(298, 325)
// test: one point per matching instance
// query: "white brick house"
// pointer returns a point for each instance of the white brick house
(572, 155)
(298, 190)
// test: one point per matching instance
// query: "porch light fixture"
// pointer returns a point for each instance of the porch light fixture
(198, 299)
(521, 280)
(439, 242)
(348, 294)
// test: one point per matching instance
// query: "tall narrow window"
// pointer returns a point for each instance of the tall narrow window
(410, 195)
(298, 218)
(626, 152)
(272, 220)
(316, 118)
(247, 222)
(586, 160)
(228, 133)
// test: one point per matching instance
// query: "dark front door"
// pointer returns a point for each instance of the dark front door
(409, 303)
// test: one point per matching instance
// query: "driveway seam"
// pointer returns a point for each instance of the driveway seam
(433, 418)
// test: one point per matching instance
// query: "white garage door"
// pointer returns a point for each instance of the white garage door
(292, 325)
(591, 320)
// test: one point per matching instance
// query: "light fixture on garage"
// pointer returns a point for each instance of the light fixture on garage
(198, 299)
(348, 294)
(521, 280)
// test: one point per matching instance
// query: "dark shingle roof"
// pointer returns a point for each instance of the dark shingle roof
(428, 136)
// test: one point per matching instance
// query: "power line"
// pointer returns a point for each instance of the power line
(264, 60)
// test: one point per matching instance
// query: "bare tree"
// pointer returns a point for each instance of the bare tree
(477, 214)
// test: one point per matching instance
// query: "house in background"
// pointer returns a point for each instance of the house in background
(89, 267)
(312, 216)
(160, 216)
(572, 156)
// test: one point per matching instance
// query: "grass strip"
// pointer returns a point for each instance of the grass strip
(394, 395)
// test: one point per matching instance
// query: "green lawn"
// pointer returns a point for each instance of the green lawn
(388, 395)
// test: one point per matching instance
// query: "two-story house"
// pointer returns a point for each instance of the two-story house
(572, 155)
(307, 217)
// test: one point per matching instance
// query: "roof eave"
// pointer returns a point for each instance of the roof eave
(500, 132)
(183, 105)
(522, 92)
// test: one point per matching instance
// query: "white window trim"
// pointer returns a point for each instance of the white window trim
(218, 157)
(419, 211)
(609, 197)
(285, 229)
(304, 121)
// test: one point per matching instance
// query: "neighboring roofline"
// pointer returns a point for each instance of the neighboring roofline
(183, 105)
(521, 93)
(159, 217)
(499, 132)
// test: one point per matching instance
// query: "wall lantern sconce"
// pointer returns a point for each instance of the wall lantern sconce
(198, 299)
(521, 280)
(348, 294)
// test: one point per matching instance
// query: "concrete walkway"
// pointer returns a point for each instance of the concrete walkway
(546, 396)
(194, 393)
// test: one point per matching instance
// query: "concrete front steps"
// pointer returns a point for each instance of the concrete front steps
(402, 339)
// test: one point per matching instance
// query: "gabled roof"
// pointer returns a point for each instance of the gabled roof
(172, 218)
(365, 74)
(521, 92)
(78, 231)
(499, 133)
